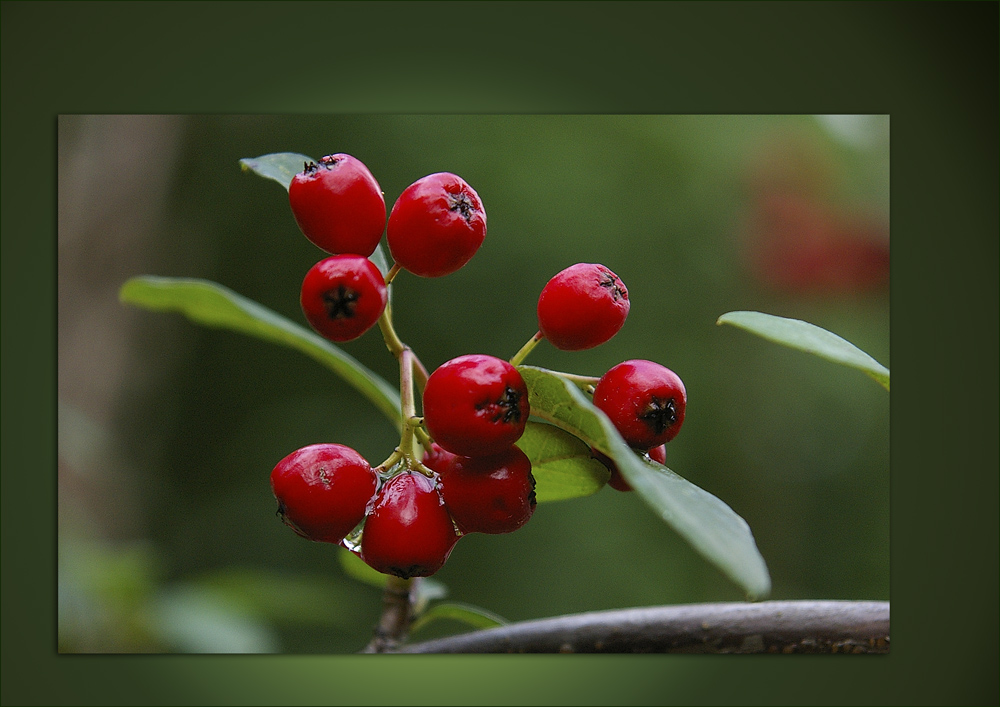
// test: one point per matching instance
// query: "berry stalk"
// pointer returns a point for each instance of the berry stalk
(391, 275)
(396, 347)
(528, 347)
(408, 405)
(411, 371)
(585, 382)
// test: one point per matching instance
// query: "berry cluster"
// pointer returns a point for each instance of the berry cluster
(584, 306)
(404, 516)
(457, 469)
(435, 227)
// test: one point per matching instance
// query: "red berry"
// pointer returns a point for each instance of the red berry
(494, 494)
(436, 225)
(582, 306)
(343, 296)
(437, 457)
(408, 532)
(644, 400)
(322, 491)
(476, 405)
(338, 205)
(617, 481)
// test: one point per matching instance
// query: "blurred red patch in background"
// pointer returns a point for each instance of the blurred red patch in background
(800, 234)
(798, 243)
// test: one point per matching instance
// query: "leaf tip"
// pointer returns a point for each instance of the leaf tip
(125, 291)
(726, 318)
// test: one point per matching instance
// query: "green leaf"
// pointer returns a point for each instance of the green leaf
(356, 568)
(279, 166)
(708, 524)
(562, 464)
(804, 336)
(191, 619)
(472, 615)
(428, 590)
(381, 262)
(216, 306)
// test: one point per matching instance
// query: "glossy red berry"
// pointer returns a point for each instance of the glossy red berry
(494, 494)
(343, 296)
(617, 481)
(476, 405)
(338, 205)
(436, 225)
(582, 306)
(408, 532)
(322, 491)
(644, 401)
(437, 457)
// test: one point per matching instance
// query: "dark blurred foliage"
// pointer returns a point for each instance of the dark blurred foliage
(168, 431)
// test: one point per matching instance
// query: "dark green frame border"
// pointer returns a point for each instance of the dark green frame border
(932, 66)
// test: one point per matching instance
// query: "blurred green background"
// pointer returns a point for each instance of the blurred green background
(168, 540)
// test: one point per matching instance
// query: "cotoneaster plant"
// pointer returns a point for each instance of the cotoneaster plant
(485, 440)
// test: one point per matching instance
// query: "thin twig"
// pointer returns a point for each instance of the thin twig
(528, 347)
(766, 627)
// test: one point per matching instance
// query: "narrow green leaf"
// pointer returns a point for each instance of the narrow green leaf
(279, 166)
(213, 305)
(356, 568)
(428, 590)
(561, 463)
(804, 336)
(472, 615)
(381, 262)
(708, 524)
(190, 619)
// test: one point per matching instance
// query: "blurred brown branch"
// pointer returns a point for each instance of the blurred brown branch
(766, 627)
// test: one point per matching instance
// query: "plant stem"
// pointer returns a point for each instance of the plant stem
(391, 461)
(419, 374)
(522, 354)
(396, 347)
(423, 437)
(408, 403)
(391, 275)
(392, 340)
(397, 598)
(582, 381)
(397, 615)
